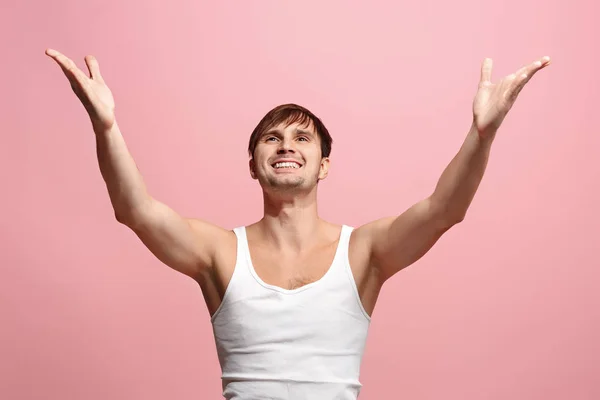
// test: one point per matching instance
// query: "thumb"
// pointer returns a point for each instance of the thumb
(94, 68)
(486, 71)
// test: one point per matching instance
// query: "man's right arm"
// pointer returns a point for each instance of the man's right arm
(186, 245)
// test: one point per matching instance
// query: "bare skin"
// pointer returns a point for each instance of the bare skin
(291, 245)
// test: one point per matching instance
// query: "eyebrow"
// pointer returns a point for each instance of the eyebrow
(278, 132)
(305, 132)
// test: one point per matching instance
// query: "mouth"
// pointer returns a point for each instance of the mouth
(286, 165)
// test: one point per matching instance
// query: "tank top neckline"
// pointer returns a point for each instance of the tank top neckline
(336, 257)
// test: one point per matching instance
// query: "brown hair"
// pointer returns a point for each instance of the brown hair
(291, 113)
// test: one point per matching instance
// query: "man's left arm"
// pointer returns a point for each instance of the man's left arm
(397, 242)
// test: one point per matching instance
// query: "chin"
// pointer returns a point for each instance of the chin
(280, 184)
(287, 184)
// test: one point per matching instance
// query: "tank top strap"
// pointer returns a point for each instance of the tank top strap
(240, 233)
(242, 244)
(344, 244)
(340, 261)
(345, 236)
(243, 253)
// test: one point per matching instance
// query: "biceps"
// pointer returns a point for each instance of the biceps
(400, 241)
(183, 244)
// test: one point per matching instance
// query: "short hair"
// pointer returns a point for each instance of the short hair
(291, 113)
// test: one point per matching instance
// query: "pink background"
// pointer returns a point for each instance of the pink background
(506, 305)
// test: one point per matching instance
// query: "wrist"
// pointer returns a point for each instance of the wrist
(101, 130)
(485, 137)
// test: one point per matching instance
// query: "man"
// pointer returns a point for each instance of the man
(290, 296)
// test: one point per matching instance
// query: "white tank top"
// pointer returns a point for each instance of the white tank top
(305, 343)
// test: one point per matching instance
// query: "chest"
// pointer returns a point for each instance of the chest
(292, 270)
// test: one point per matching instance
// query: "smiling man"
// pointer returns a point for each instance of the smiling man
(291, 296)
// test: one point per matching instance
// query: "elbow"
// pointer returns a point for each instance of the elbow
(459, 219)
(120, 218)
(447, 215)
(132, 216)
(125, 219)
(128, 218)
(456, 216)
(453, 218)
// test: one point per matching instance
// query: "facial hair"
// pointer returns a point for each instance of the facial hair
(287, 184)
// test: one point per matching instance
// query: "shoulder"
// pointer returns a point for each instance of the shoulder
(364, 236)
(220, 243)
(215, 237)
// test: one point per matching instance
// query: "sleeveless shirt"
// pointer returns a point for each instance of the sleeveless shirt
(304, 343)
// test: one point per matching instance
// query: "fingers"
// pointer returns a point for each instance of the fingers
(486, 71)
(74, 74)
(528, 71)
(65, 63)
(524, 74)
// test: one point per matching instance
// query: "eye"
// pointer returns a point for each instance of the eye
(269, 138)
(303, 138)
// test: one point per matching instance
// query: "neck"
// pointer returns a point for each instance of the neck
(290, 221)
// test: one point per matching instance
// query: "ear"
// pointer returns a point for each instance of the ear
(252, 166)
(324, 170)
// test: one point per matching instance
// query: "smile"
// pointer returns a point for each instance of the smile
(286, 164)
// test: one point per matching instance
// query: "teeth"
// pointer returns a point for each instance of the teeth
(286, 165)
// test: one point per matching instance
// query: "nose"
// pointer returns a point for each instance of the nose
(285, 147)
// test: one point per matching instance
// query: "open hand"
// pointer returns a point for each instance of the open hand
(93, 93)
(493, 100)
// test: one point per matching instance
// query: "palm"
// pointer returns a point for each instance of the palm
(494, 100)
(92, 91)
(104, 102)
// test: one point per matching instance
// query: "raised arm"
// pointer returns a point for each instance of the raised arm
(397, 242)
(186, 245)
